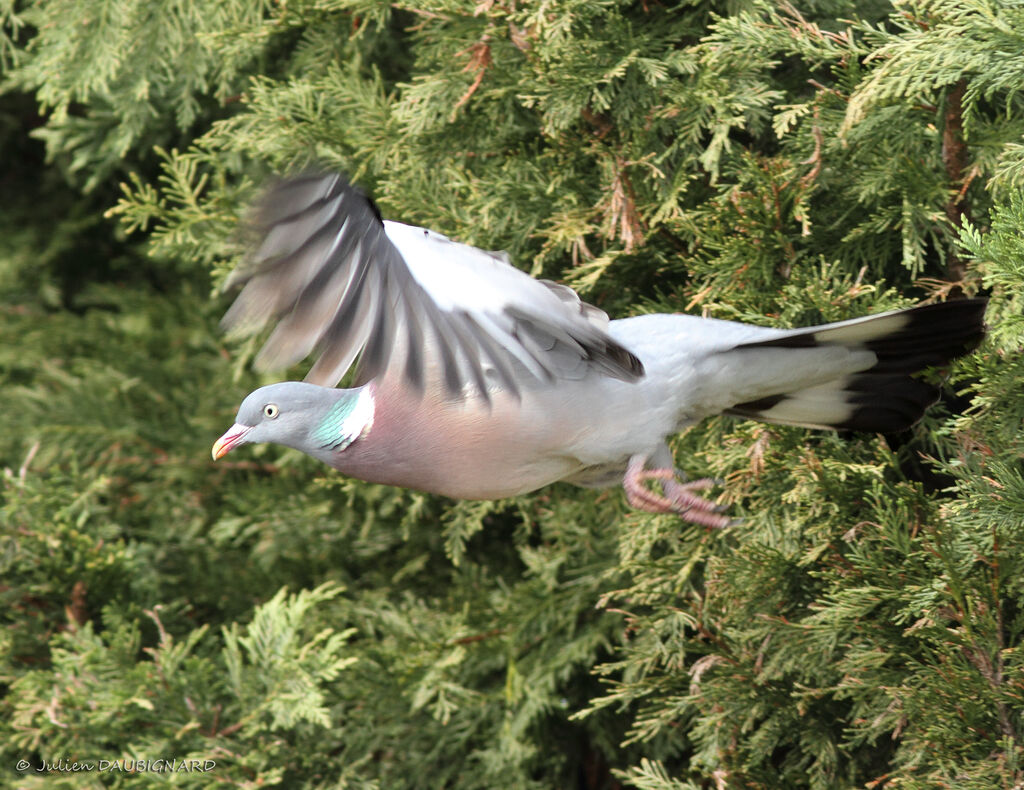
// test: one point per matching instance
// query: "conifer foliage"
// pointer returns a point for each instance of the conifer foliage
(780, 163)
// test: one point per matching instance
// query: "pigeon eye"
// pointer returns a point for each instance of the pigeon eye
(270, 411)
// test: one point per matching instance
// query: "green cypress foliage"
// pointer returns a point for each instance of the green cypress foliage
(781, 163)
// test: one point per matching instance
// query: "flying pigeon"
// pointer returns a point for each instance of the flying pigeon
(476, 381)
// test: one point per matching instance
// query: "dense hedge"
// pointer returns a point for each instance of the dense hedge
(282, 626)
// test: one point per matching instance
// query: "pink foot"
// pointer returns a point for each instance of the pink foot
(677, 497)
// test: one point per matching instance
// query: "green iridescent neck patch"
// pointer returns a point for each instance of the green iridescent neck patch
(347, 420)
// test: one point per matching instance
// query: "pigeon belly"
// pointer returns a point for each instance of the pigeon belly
(462, 450)
(467, 450)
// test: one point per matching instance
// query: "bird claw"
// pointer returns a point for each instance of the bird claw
(677, 497)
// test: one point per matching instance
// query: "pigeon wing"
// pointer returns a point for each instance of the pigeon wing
(343, 284)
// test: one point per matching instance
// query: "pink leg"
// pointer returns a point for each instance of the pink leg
(677, 497)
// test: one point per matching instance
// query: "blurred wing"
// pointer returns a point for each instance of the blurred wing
(340, 281)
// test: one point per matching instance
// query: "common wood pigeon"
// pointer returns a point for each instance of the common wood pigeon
(477, 381)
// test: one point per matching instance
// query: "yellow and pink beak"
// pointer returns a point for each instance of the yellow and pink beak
(234, 436)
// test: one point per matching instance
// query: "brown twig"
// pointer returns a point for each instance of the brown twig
(75, 611)
(479, 60)
(954, 157)
(468, 640)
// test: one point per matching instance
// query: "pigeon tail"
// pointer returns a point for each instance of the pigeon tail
(884, 397)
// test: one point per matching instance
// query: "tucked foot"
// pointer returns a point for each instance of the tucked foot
(677, 498)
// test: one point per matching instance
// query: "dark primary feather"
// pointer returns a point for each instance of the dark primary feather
(884, 398)
(326, 271)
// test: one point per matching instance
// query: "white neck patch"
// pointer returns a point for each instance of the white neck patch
(349, 419)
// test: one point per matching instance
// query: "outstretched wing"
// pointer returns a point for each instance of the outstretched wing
(343, 283)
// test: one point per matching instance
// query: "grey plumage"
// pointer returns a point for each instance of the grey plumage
(333, 276)
(477, 381)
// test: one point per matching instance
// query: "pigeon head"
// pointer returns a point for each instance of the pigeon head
(304, 416)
